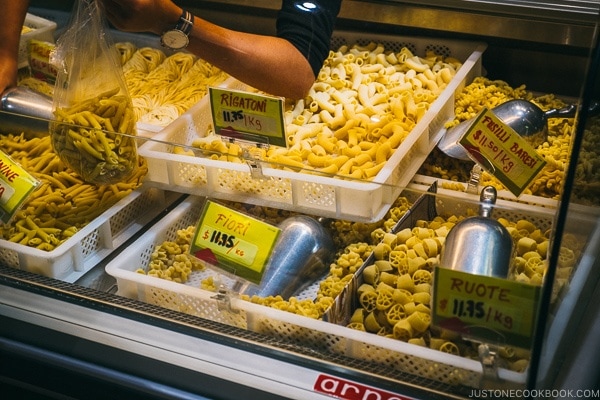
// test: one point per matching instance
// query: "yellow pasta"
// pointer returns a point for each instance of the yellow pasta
(395, 313)
(352, 97)
(483, 92)
(371, 274)
(419, 321)
(450, 348)
(403, 330)
(103, 119)
(62, 204)
(406, 282)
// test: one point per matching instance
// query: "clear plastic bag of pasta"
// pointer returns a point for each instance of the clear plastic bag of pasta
(93, 131)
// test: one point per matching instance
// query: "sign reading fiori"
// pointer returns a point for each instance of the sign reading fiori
(233, 241)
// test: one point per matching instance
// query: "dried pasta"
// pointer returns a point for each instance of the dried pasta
(170, 260)
(398, 297)
(359, 111)
(96, 138)
(484, 92)
(63, 203)
(162, 88)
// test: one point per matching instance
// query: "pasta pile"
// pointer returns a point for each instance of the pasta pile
(344, 232)
(96, 139)
(396, 291)
(362, 106)
(63, 203)
(587, 179)
(162, 88)
(395, 296)
(171, 261)
(483, 92)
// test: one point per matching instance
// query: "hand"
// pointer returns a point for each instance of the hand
(8, 73)
(154, 16)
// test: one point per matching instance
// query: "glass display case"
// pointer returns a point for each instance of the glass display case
(76, 331)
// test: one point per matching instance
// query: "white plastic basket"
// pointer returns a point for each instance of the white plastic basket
(314, 334)
(43, 30)
(77, 255)
(420, 181)
(302, 192)
(444, 202)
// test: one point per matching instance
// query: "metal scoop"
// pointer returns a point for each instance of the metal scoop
(300, 256)
(25, 111)
(479, 245)
(527, 119)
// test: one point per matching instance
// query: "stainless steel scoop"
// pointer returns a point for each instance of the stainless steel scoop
(479, 245)
(300, 256)
(25, 111)
(527, 119)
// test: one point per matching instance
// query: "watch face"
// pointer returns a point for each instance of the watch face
(174, 39)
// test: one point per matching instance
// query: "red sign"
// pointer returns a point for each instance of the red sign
(348, 390)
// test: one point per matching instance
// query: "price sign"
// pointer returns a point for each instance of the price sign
(248, 116)
(16, 185)
(233, 241)
(484, 307)
(502, 151)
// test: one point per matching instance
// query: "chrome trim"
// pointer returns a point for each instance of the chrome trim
(552, 22)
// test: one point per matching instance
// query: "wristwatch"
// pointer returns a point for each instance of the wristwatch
(177, 38)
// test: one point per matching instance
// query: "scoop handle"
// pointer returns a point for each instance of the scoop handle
(487, 198)
(571, 109)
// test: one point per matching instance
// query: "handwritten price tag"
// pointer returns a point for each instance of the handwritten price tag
(502, 151)
(248, 116)
(16, 185)
(483, 307)
(233, 241)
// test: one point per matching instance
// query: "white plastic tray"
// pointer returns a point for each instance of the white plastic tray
(314, 334)
(92, 243)
(302, 192)
(424, 180)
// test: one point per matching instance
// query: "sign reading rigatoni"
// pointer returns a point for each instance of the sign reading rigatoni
(502, 151)
(248, 116)
(233, 241)
(16, 185)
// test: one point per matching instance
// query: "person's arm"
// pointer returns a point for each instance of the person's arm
(13, 14)
(271, 64)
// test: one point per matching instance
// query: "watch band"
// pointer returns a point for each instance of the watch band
(178, 37)
(186, 22)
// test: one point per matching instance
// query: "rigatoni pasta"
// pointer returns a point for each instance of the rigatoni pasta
(364, 103)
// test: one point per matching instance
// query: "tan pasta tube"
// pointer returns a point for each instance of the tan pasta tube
(94, 138)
